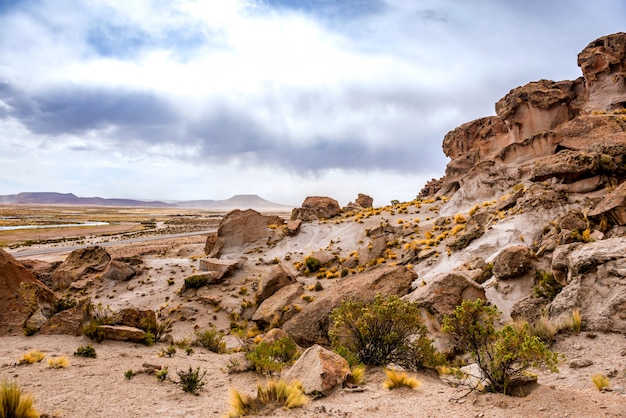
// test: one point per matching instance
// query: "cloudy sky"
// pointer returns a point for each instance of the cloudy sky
(204, 99)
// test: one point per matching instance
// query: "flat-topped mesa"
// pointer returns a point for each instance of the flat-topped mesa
(603, 63)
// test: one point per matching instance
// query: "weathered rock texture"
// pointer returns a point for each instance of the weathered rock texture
(21, 296)
(310, 326)
(316, 207)
(80, 263)
(319, 370)
(237, 229)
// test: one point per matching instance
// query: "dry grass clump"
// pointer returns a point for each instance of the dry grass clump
(15, 404)
(459, 219)
(276, 393)
(397, 379)
(58, 362)
(600, 381)
(358, 374)
(31, 357)
(577, 321)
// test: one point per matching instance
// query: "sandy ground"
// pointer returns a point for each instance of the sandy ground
(98, 388)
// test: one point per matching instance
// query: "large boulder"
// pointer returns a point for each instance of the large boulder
(119, 271)
(310, 326)
(134, 317)
(67, 322)
(512, 262)
(79, 263)
(237, 229)
(21, 295)
(319, 370)
(567, 165)
(441, 295)
(278, 278)
(613, 206)
(278, 307)
(316, 207)
(364, 201)
(596, 285)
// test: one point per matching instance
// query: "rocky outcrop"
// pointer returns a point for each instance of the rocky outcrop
(567, 165)
(604, 69)
(137, 318)
(319, 370)
(79, 263)
(278, 278)
(221, 268)
(596, 285)
(67, 322)
(310, 326)
(315, 208)
(237, 229)
(209, 244)
(21, 296)
(293, 227)
(512, 262)
(364, 201)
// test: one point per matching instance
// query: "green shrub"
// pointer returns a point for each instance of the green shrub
(502, 355)
(15, 404)
(167, 352)
(161, 375)
(547, 287)
(211, 339)
(129, 374)
(196, 282)
(94, 331)
(191, 381)
(86, 351)
(312, 264)
(65, 303)
(387, 330)
(268, 358)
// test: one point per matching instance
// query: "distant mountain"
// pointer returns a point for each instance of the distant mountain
(240, 201)
(246, 201)
(52, 198)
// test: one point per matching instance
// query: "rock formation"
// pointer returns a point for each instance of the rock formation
(316, 207)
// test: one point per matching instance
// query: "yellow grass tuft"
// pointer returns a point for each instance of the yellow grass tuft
(577, 320)
(358, 374)
(459, 219)
(600, 380)
(397, 379)
(58, 362)
(15, 404)
(276, 393)
(31, 357)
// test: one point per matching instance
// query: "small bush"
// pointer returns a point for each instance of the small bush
(312, 264)
(503, 355)
(86, 351)
(65, 303)
(397, 379)
(129, 374)
(600, 381)
(161, 375)
(31, 357)
(276, 393)
(29, 331)
(15, 404)
(269, 358)
(58, 362)
(386, 330)
(93, 331)
(211, 339)
(196, 282)
(547, 287)
(167, 352)
(191, 381)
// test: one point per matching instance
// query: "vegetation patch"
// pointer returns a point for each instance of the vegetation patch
(14, 403)
(269, 358)
(274, 394)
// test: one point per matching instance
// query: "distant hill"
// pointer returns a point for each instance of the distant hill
(243, 202)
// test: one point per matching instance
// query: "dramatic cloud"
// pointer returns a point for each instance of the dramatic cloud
(193, 99)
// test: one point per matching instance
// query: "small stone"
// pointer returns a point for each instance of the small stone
(618, 389)
(579, 364)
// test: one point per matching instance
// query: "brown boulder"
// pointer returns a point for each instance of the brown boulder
(21, 295)
(136, 318)
(67, 322)
(119, 271)
(278, 278)
(310, 326)
(293, 227)
(81, 262)
(239, 228)
(223, 268)
(123, 333)
(603, 63)
(316, 207)
(364, 201)
(573, 220)
(445, 292)
(512, 262)
(319, 370)
(211, 240)
(613, 206)
(278, 307)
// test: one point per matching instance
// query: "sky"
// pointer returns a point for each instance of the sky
(206, 99)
